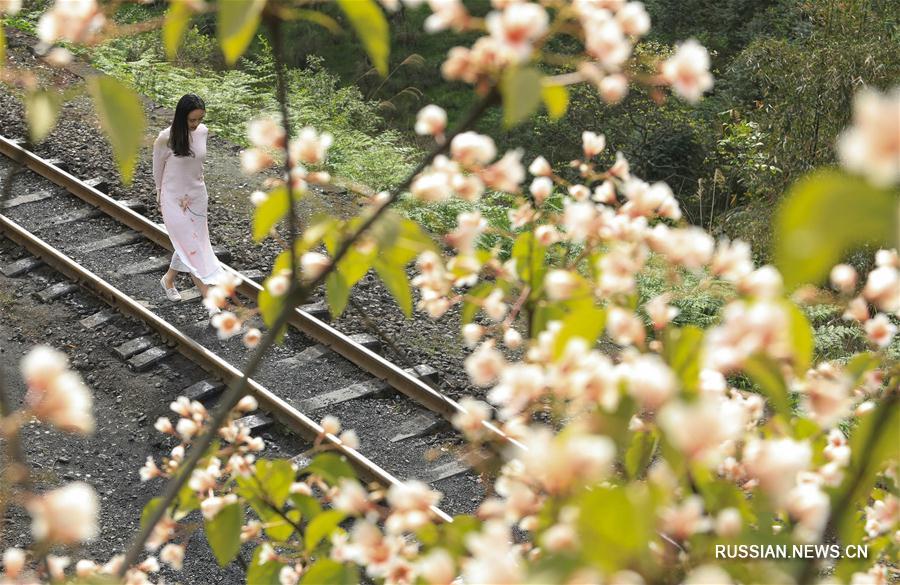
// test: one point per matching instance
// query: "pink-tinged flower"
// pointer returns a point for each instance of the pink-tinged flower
(682, 522)
(247, 404)
(546, 234)
(11, 8)
(605, 193)
(521, 216)
(512, 338)
(592, 144)
(699, 429)
(808, 506)
(634, 19)
(446, 14)
(181, 406)
(884, 258)
(579, 220)
(431, 121)
(493, 305)
(837, 450)
(517, 27)
(330, 425)
(149, 565)
(469, 227)
(226, 323)
(579, 192)
(470, 421)
(265, 133)
(880, 330)
(872, 145)
(541, 188)
(539, 167)
(485, 364)
(349, 438)
(437, 567)
(729, 523)
(172, 555)
(432, 187)
(472, 333)
(254, 160)
(56, 567)
(706, 574)
(560, 462)
(605, 41)
(410, 503)
(624, 327)
(312, 264)
(257, 198)
(687, 71)
(13, 562)
(65, 403)
(660, 311)
(65, 516)
(883, 288)
(468, 187)
(776, 463)
(278, 284)
(252, 338)
(76, 21)
(507, 173)
(764, 283)
(58, 57)
(149, 470)
(857, 310)
(212, 505)
(86, 568)
(472, 149)
(620, 168)
(613, 88)
(560, 537)
(649, 380)
(288, 575)
(520, 384)
(826, 394)
(882, 516)
(843, 278)
(216, 297)
(310, 147)
(186, 428)
(351, 497)
(560, 285)
(493, 558)
(42, 365)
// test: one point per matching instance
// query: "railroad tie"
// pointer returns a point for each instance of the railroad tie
(319, 310)
(133, 346)
(97, 319)
(24, 199)
(110, 242)
(367, 389)
(317, 351)
(203, 389)
(420, 424)
(20, 267)
(82, 214)
(147, 359)
(55, 291)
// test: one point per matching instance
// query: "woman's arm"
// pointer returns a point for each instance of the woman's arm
(161, 154)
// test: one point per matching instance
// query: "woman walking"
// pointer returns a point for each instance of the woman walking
(178, 155)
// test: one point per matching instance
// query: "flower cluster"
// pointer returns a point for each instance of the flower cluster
(309, 148)
(56, 395)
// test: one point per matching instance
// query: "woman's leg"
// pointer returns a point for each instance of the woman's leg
(200, 286)
(170, 278)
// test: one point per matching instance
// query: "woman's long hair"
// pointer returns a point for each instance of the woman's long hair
(179, 137)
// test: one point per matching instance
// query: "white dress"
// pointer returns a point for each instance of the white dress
(183, 202)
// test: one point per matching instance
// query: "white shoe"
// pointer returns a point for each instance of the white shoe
(171, 293)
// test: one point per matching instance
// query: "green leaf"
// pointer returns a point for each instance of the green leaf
(860, 364)
(521, 91)
(275, 476)
(682, 352)
(223, 533)
(238, 21)
(2, 45)
(314, 16)
(274, 524)
(263, 573)
(396, 281)
(308, 506)
(454, 535)
(556, 99)
(187, 502)
(470, 307)
(177, 18)
(331, 467)
(371, 26)
(122, 117)
(328, 572)
(826, 215)
(337, 293)
(41, 111)
(530, 257)
(270, 212)
(766, 373)
(617, 522)
(586, 321)
(149, 508)
(802, 341)
(321, 527)
(639, 452)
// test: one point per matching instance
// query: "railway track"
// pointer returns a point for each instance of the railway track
(108, 247)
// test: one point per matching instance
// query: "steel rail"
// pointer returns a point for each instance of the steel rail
(321, 332)
(209, 361)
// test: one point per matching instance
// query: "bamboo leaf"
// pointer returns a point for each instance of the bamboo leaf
(122, 118)
(238, 21)
(177, 18)
(371, 26)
